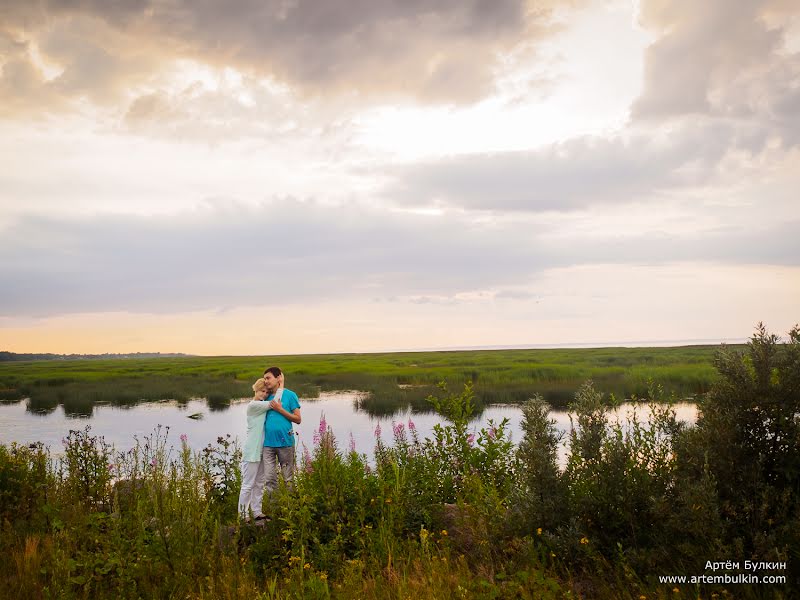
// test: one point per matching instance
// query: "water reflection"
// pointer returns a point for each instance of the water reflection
(77, 407)
(42, 405)
(33, 420)
(218, 403)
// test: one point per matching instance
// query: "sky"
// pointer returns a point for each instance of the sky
(293, 176)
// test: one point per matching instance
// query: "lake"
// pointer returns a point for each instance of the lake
(121, 425)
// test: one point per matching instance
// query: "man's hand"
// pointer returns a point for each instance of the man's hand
(293, 416)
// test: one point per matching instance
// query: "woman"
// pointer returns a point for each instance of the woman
(253, 473)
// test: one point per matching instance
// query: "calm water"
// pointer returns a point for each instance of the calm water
(120, 425)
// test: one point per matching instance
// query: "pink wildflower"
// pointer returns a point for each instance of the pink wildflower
(352, 442)
(411, 426)
(153, 462)
(184, 438)
(378, 430)
(471, 439)
(316, 438)
(323, 424)
(492, 433)
(398, 429)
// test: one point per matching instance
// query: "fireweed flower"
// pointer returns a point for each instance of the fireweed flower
(184, 437)
(323, 425)
(352, 442)
(411, 426)
(471, 439)
(398, 429)
(378, 430)
(492, 433)
(153, 462)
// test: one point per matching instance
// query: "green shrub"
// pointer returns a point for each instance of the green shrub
(541, 492)
(748, 435)
(25, 479)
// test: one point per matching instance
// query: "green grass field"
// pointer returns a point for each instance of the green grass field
(392, 379)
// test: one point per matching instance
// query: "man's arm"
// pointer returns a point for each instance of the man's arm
(293, 416)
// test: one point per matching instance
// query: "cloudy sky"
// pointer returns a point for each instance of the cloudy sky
(289, 176)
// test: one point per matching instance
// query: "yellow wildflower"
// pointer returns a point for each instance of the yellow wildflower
(676, 591)
(294, 559)
(306, 566)
(538, 531)
(388, 501)
(584, 540)
(323, 576)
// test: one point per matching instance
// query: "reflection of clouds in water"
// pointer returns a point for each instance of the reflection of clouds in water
(119, 425)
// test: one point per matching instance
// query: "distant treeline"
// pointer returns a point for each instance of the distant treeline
(12, 356)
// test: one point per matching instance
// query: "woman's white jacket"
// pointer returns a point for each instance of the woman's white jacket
(254, 440)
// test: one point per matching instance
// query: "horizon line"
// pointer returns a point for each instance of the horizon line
(674, 343)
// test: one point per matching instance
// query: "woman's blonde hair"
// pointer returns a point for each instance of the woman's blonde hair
(259, 385)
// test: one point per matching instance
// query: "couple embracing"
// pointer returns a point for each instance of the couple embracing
(269, 441)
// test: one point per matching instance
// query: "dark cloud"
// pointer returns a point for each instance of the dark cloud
(440, 51)
(22, 84)
(722, 59)
(87, 61)
(289, 252)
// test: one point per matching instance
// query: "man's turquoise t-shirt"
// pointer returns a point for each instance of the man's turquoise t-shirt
(277, 428)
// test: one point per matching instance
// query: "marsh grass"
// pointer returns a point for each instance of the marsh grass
(392, 381)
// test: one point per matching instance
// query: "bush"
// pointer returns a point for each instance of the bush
(620, 477)
(748, 437)
(541, 493)
(25, 478)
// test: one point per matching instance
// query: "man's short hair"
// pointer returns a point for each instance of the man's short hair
(276, 372)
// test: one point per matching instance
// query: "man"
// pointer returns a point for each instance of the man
(278, 434)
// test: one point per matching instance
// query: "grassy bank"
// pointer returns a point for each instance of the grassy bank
(393, 380)
(452, 516)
